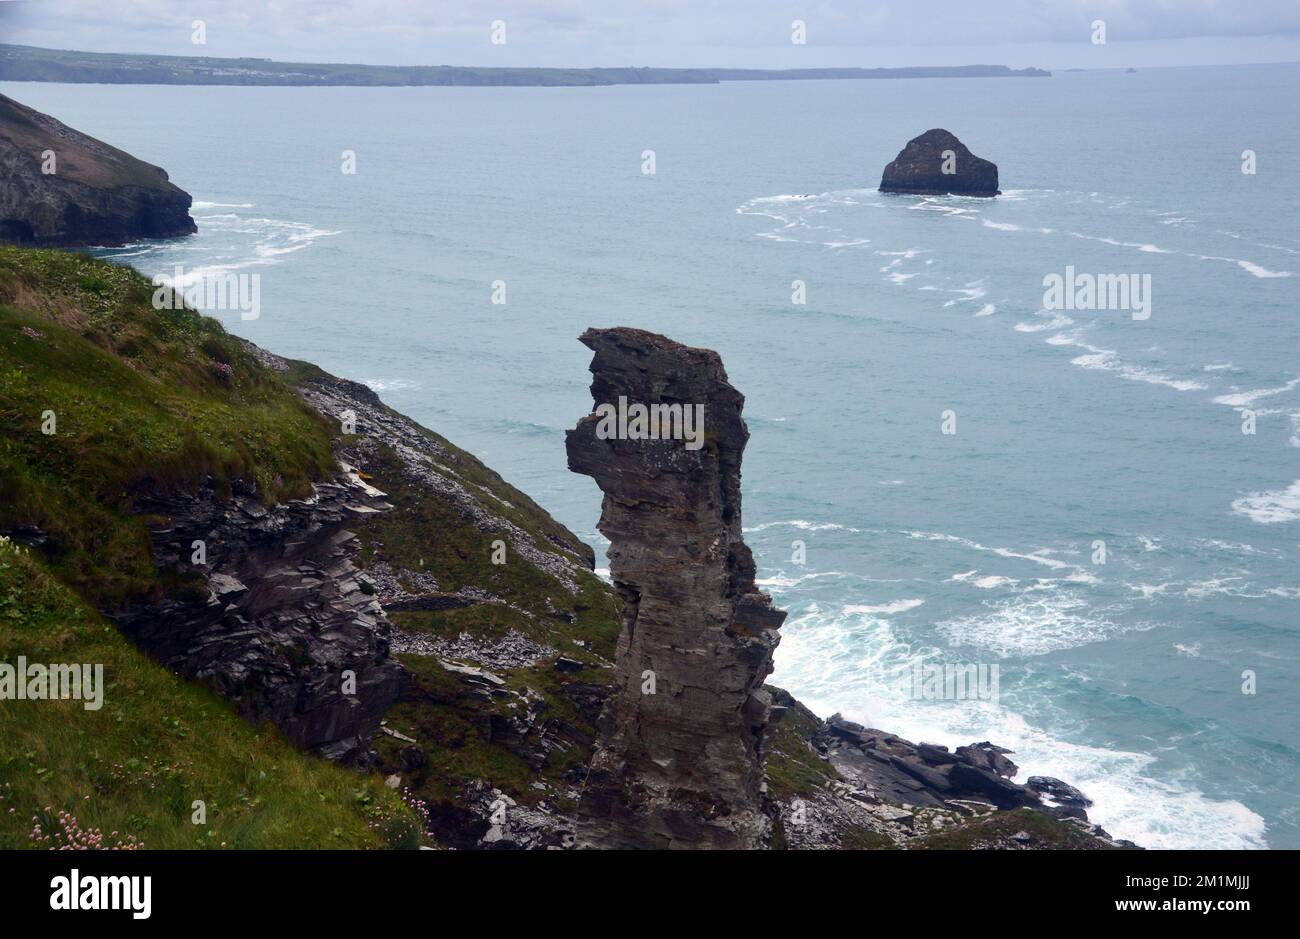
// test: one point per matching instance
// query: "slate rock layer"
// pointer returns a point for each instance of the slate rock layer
(679, 762)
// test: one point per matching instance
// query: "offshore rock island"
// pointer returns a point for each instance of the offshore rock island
(936, 164)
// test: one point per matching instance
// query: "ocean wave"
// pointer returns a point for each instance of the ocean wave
(894, 606)
(1260, 271)
(1245, 398)
(1033, 624)
(781, 581)
(1058, 321)
(1107, 360)
(1144, 247)
(802, 525)
(855, 663)
(988, 582)
(1269, 508)
(1037, 557)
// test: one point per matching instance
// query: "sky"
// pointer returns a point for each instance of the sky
(1053, 34)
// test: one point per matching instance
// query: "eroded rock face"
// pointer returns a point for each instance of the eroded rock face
(682, 766)
(278, 614)
(937, 163)
(96, 194)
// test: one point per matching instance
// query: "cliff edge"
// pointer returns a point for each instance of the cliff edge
(62, 188)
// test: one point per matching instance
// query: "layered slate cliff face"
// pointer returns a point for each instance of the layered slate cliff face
(245, 519)
(680, 761)
(95, 194)
(937, 163)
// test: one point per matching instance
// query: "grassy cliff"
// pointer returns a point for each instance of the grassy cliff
(136, 769)
(106, 400)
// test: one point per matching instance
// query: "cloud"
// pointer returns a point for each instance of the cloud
(617, 32)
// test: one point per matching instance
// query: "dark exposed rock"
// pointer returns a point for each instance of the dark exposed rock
(96, 194)
(897, 770)
(937, 163)
(425, 465)
(682, 766)
(989, 757)
(276, 617)
(1062, 793)
(513, 650)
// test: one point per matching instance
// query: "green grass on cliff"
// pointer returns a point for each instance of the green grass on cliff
(157, 745)
(139, 399)
(996, 830)
(146, 400)
(792, 767)
(434, 535)
(142, 400)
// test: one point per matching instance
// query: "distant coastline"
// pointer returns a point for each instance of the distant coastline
(32, 64)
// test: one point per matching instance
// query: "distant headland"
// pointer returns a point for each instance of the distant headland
(32, 64)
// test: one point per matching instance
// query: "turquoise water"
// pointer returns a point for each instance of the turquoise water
(1072, 427)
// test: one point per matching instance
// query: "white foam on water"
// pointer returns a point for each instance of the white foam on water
(1217, 586)
(987, 582)
(1260, 271)
(894, 606)
(854, 663)
(987, 309)
(1107, 360)
(1059, 321)
(802, 525)
(1140, 246)
(784, 582)
(1036, 557)
(1270, 508)
(1245, 398)
(1033, 624)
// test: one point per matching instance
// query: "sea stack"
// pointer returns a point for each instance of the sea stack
(679, 760)
(937, 163)
(61, 188)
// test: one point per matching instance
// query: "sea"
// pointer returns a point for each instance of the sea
(1098, 505)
